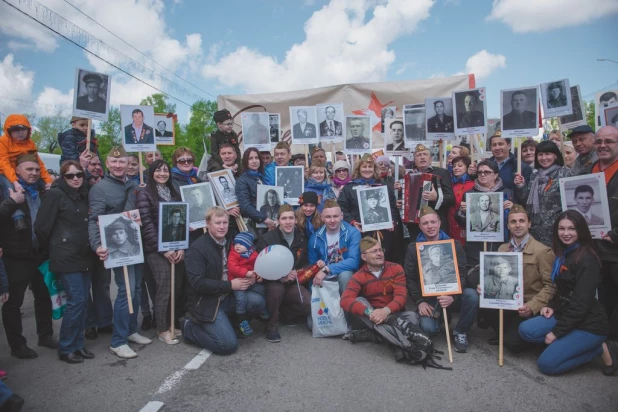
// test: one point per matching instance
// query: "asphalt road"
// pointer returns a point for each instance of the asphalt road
(299, 374)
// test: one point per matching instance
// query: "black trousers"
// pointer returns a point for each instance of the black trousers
(511, 322)
(608, 295)
(21, 273)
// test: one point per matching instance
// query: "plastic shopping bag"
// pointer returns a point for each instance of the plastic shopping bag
(56, 291)
(326, 313)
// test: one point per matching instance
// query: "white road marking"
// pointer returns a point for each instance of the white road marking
(152, 406)
(200, 358)
(172, 380)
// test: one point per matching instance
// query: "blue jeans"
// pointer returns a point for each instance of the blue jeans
(76, 285)
(343, 278)
(565, 353)
(99, 312)
(468, 304)
(125, 324)
(243, 297)
(219, 336)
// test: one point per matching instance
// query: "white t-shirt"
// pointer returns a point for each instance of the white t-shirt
(333, 254)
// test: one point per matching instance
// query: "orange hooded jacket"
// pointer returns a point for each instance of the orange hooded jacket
(11, 149)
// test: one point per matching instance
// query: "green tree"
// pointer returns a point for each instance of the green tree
(200, 126)
(46, 133)
(590, 114)
(159, 102)
(110, 132)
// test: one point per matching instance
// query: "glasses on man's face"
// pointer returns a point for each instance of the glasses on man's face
(484, 172)
(71, 176)
(185, 161)
(375, 252)
(605, 142)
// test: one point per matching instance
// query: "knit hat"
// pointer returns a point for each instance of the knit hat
(518, 209)
(383, 158)
(222, 115)
(426, 210)
(245, 239)
(367, 243)
(26, 157)
(341, 164)
(285, 208)
(309, 197)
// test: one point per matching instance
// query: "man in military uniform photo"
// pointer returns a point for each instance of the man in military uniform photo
(357, 130)
(519, 117)
(484, 219)
(91, 101)
(375, 213)
(441, 122)
(470, 117)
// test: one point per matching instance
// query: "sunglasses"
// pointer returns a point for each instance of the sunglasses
(484, 173)
(185, 161)
(18, 128)
(341, 170)
(71, 176)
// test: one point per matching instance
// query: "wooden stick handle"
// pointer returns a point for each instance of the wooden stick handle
(127, 286)
(141, 170)
(448, 336)
(501, 340)
(172, 303)
(520, 141)
(88, 137)
(306, 156)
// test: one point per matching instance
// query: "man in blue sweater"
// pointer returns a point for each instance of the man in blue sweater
(507, 163)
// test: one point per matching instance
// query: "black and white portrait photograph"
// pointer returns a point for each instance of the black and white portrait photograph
(578, 117)
(256, 130)
(556, 98)
(304, 121)
(440, 123)
(165, 134)
(122, 238)
(91, 97)
(173, 226)
(519, 111)
(269, 200)
(332, 122)
(200, 198)
(374, 207)
(414, 123)
(470, 111)
(291, 179)
(358, 134)
(274, 120)
(387, 113)
(484, 217)
(438, 268)
(603, 100)
(610, 115)
(224, 186)
(138, 128)
(394, 139)
(501, 280)
(588, 195)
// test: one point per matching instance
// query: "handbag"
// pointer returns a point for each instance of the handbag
(326, 312)
(56, 291)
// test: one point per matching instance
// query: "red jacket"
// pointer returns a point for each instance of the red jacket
(454, 229)
(387, 291)
(238, 266)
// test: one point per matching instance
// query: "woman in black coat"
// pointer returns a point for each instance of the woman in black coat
(160, 189)
(62, 230)
(574, 324)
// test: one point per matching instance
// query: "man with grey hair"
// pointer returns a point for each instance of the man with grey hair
(330, 126)
(303, 129)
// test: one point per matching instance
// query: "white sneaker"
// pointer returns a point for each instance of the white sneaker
(139, 339)
(123, 351)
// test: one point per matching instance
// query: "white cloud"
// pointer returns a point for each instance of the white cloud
(543, 15)
(341, 46)
(483, 63)
(16, 24)
(52, 101)
(15, 83)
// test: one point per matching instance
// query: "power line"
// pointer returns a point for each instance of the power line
(83, 36)
(137, 50)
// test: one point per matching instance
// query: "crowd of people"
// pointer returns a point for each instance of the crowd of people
(218, 294)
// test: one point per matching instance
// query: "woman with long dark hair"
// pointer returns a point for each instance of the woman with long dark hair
(308, 218)
(246, 188)
(573, 324)
(161, 189)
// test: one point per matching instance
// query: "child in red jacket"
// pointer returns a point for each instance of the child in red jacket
(240, 264)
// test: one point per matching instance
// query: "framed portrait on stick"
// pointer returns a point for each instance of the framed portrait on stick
(256, 130)
(137, 128)
(121, 236)
(470, 110)
(173, 226)
(274, 120)
(485, 217)
(269, 200)
(556, 98)
(165, 132)
(375, 210)
(291, 179)
(519, 112)
(304, 120)
(200, 198)
(501, 280)
(331, 122)
(394, 140)
(440, 124)
(438, 268)
(359, 136)
(587, 194)
(414, 124)
(578, 117)
(91, 97)
(224, 184)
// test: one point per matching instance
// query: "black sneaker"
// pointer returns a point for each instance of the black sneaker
(461, 343)
(91, 334)
(361, 335)
(147, 322)
(612, 347)
(106, 329)
(24, 352)
(273, 336)
(48, 341)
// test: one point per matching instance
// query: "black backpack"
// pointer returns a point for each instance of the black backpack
(422, 351)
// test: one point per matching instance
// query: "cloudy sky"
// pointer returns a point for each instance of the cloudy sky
(200, 49)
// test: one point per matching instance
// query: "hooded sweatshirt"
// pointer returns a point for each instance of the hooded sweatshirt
(11, 149)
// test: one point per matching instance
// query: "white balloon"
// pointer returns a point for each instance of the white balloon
(274, 262)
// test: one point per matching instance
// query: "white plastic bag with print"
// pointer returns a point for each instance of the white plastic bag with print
(326, 313)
